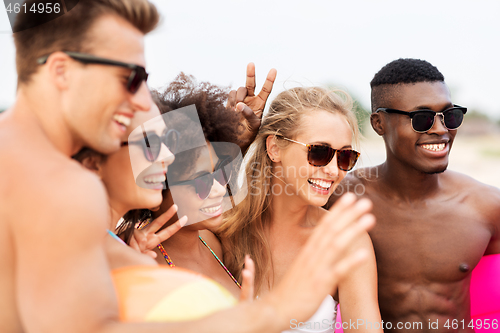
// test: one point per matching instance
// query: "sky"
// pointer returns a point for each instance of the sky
(316, 42)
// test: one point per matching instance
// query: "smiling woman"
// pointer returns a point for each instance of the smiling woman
(303, 150)
(197, 180)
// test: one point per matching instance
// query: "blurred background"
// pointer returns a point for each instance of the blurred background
(331, 43)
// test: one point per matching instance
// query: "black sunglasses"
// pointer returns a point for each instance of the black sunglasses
(151, 144)
(135, 79)
(321, 155)
(203, 184)
(423, 120)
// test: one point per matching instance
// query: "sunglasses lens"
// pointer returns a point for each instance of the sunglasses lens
(203, 186)
(222, 177)
(171, 140)
(423, 121)
(152, 147)
(453, 118)
(149, 155)
(136, 77)
(134, 82)
(346, 159)
(320, 155)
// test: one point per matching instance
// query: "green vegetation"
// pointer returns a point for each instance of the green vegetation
(475, 114)
(362, 115)
(492, 153)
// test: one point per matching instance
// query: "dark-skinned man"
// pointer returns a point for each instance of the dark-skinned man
(433, 225)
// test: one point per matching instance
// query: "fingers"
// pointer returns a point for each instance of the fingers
(152, 254)
(346, 210)
(241, 93)
(248, 278)
(268, 85)
(231, 100)
(157, 223)
(328, 255)
(337, 231)
(344, 201)
(343, 225)
(333, 218)
(346, 240)
(250, 82)
(252, 118)
(133, 243)
(171, 230)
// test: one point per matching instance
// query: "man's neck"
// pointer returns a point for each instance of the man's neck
(36, 109)
(408, 183)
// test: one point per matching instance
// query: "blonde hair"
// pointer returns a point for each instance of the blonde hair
(243, 229)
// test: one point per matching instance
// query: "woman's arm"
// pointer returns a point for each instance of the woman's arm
(358, 294)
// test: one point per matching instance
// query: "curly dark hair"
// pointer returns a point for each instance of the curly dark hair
(219, 124)
(401, 71)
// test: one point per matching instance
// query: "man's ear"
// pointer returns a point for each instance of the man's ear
(273, 151)
(378, 123)
(93, 163)
(59, 66)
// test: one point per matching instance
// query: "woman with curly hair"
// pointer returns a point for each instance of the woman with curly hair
(143, 160)
(197, 181)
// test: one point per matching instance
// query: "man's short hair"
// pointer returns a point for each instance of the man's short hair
(401, 71)
(69, 32)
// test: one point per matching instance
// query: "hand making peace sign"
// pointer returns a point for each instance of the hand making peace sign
(249, 105)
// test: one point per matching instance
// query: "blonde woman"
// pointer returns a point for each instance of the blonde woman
(303, 150)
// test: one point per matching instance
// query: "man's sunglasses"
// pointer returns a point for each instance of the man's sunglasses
(135, 79)
(203, 184)
(151, 144)
(423, 120)
(321, 155)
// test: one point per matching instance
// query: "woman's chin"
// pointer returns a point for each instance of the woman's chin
(153, 201)
(317, 200)
(210, 223)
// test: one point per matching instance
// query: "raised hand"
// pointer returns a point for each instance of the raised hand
(146, 239)
(247, 285)
(251, 106)
(329, 253)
